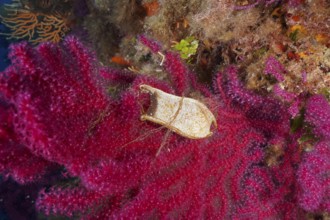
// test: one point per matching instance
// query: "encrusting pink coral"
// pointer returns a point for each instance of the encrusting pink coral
(62, 115)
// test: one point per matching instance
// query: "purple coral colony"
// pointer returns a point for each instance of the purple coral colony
(72, 142)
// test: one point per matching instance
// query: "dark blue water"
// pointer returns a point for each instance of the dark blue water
(4, 43)
(4, 62)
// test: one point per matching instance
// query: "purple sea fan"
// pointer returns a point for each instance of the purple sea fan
(314, 179)
(314, 171)
(275, 68)
(16, 160)
(68, 119)
(318, 115)
(51, 102)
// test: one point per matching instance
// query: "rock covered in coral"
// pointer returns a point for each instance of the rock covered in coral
(243, 33)
(172, 19)
(109, 21)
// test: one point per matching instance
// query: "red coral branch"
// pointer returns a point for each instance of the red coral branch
(63, 115)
